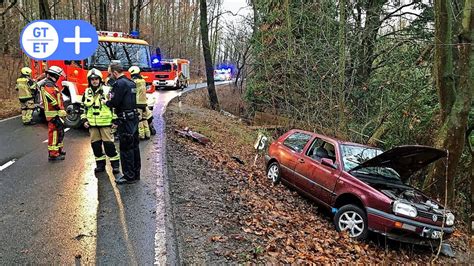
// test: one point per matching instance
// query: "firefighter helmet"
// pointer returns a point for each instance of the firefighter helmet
(26, 71)
(94, 73)
(55, 71)
(134, 70)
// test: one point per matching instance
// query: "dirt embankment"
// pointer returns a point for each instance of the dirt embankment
(229, 212)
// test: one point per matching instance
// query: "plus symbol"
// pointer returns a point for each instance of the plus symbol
(77, 40)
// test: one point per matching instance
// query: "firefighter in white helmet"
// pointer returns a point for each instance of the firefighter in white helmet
(143, 112)
(27, 90)
(98, 118)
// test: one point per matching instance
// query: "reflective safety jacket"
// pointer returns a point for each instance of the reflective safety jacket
(26, 87)
(141, 91)
(96, 113)
(52, 100)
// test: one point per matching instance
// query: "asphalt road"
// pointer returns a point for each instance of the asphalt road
(61, 212)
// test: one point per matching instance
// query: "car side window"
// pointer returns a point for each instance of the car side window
(321, 149)
(297, 141)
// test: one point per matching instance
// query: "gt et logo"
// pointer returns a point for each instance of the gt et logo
(59, 39)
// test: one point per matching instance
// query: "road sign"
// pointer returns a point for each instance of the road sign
(59, 39)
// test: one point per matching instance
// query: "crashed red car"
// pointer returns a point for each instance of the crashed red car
(363, 186)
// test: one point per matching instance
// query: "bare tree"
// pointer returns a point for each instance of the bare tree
(211, 88)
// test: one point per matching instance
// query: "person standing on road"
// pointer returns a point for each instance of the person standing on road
(54, 112)
(98, 118)
(143, 111)
(123, 100)
(27, 90)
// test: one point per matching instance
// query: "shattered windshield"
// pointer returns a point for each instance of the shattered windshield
(129, 55)
(353, 156)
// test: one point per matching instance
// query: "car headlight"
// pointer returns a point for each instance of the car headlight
(449, 219)
(404, 209)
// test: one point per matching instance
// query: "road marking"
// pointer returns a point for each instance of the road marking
(6, 119)
(66, 130)
(7, 164)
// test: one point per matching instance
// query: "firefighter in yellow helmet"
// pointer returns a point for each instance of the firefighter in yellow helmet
(143, 111)
(27, 90)
(98, 118)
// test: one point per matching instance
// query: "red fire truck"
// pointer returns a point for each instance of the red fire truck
(129, 50)
(171, 73)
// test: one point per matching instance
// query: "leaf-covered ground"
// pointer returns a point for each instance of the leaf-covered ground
(229, 212)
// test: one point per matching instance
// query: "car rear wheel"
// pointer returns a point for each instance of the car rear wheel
(273, 173)
(352, 219)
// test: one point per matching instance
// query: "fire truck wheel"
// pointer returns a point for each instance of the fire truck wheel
(73, 117)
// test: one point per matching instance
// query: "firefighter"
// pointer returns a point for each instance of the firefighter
(27, 90)
(98, 118)
(143, 111)
(123, 99)
(54, 112)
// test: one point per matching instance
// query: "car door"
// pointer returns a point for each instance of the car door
(291, 154)
(323, 177)
(304, 168)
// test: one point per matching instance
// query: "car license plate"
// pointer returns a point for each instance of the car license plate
(436, 235)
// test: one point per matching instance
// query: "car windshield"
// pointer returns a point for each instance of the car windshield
(353, 156)
(128, 54)
(162, 67)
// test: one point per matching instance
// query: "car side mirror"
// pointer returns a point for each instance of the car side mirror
(328, 162)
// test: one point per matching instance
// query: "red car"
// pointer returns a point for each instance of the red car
(363, 186)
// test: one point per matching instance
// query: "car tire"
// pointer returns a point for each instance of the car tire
(273, 173)
(73, 117)
(353, 219)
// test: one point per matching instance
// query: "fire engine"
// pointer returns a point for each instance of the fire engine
(171, 73)
(126, 48)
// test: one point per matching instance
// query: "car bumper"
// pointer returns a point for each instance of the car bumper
(404, 229)
(164, 83)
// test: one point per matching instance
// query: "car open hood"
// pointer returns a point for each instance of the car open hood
(406, 160)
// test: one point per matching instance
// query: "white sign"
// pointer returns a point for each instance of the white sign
(40, 39)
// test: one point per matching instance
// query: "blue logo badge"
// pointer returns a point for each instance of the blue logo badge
(59, 39)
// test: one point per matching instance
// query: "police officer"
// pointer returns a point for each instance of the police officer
(143, 111)
(123, 100)
(54, 112)
(98, 117)
(27, 90)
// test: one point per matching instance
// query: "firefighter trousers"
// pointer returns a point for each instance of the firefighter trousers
(27, 108)
(143, 128)
(129, 148)
(102, 139)
(55, 138)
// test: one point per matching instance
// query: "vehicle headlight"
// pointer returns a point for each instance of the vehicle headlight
(449, 219)
(404, 209)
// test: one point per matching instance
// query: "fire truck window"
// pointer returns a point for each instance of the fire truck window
(128, 54)
(175, 67)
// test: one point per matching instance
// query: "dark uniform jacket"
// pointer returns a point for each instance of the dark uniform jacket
(123, 96)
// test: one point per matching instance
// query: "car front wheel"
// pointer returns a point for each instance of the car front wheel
(352, 219)
(273, 173)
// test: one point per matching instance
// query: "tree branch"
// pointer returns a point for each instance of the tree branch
(8, 8)
(398, 9)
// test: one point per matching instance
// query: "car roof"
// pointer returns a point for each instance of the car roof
(340, 142)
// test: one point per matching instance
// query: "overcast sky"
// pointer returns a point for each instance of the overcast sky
(234, 6)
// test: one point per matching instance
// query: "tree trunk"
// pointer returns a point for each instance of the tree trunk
(138, 9)
(131, 15)
(45, 13)
(451, 135)
(103, 15)
(342, 65)
(211, 89)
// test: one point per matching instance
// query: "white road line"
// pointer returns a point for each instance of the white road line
(7, 164)
(66, 130)
(6, 119)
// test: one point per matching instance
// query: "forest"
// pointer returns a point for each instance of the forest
(378, 72)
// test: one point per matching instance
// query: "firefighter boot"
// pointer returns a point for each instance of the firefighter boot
(115, 166)
(100, 166)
